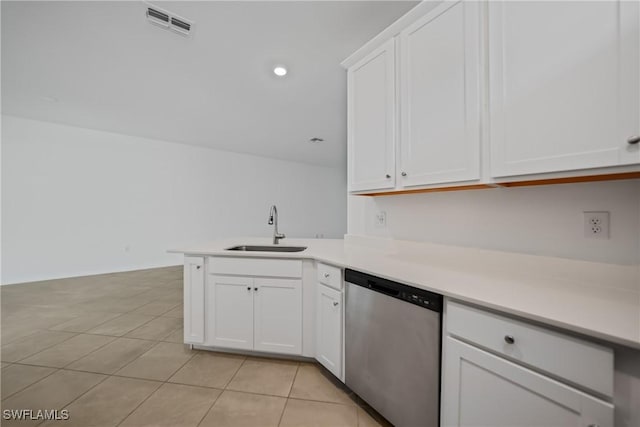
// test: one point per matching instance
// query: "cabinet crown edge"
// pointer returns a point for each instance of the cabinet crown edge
(411, 16)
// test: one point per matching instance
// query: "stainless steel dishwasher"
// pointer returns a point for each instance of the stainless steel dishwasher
(392, 348)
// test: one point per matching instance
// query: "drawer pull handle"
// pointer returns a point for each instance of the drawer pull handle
(335, 303)
(633, 140)
(326, 275)
(255, 289)
(197, 267)
(509, 339)
(248, 288)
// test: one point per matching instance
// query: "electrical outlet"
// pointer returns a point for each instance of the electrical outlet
(596, 225)
(380, 219)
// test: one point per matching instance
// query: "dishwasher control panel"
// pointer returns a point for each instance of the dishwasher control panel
(397, 290)
(416, 298)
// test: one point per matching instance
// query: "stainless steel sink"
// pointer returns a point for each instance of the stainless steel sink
(249, 248)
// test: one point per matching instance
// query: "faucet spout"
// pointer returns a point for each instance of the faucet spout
(273, 220)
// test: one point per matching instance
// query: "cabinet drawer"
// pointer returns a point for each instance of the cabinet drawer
(330, 276)
(577, 361)
(262, 267)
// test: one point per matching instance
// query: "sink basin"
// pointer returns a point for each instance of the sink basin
(249, 248)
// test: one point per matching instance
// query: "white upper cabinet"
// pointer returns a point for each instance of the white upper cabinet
(440, 96)
(371, 118)
(496, 91)
(563, 85)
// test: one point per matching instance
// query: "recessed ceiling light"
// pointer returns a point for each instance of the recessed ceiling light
(279, 71)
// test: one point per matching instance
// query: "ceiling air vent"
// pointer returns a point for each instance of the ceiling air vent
(180, 25)
(157, 17)
(168, 20)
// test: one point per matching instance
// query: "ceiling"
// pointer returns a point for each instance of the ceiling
(101, 65)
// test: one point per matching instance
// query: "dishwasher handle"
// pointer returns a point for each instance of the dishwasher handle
(371, 284)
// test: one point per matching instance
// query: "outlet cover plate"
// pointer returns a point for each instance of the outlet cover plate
(596, 224)
(380, 219)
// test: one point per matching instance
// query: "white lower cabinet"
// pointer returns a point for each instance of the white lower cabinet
(277, 308)
(329, 328)
(263, 314)
(193, 292)
(266, 305)
(503, 372)
(230, 312)
(481, 389)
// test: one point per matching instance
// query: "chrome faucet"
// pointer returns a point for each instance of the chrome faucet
(273, 220)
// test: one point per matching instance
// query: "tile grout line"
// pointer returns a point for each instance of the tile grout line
(295, 376)
(161, 385)
(151, 348)
(135, 328)
(284, 409)
(103, 345)
(29, 385)
(66, 367)
(92, 352)
(135, 359)
(288, 395)
(86, 330)
(152, 339)
(47, 348)
(235, 373)
(139, 405)
(22, 363)
(106, 377)
(210, 407)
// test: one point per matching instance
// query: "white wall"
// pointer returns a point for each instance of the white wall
(544, 220)
(74, 199)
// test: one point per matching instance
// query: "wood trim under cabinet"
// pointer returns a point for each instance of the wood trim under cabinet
(574, 179)
(550, 181)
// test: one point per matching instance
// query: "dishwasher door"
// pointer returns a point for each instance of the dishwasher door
(392, 355)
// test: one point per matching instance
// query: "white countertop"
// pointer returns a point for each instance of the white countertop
(596, 299)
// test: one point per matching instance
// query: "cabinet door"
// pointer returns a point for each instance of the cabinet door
(480, 389)
(371, 118)
(564, 87)
(193, 289)
(230, 312)
(329, 329)
(278, 315)
(440, 96)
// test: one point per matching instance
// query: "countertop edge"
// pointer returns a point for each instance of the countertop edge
(310, 254)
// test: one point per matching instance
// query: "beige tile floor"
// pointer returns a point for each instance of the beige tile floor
(109, 349)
